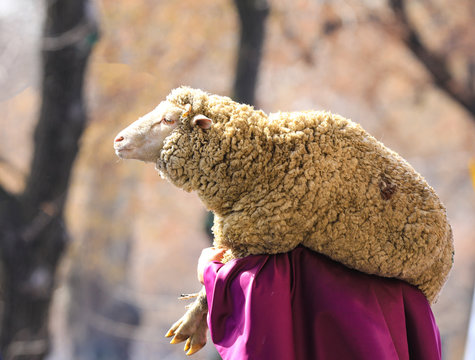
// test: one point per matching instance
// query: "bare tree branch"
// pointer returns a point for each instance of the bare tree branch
(435, 64)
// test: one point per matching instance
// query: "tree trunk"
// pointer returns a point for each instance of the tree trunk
(32, 233)
(252, 18)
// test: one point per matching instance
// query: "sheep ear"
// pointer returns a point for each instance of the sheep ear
(202, 121)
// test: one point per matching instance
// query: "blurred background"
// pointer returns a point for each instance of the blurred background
(95, 251)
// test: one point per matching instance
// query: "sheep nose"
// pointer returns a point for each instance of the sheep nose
(119, 138)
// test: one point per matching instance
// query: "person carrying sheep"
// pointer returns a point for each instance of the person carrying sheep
(289, 180)
(302, 305)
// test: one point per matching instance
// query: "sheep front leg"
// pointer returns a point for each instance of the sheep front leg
(192, 326)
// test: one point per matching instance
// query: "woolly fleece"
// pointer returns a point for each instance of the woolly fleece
(311, 178)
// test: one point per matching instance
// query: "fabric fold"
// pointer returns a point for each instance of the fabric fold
(302, 305)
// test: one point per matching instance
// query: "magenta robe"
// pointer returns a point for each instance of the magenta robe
(302, 305)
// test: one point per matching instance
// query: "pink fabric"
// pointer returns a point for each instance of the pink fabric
(302, 305)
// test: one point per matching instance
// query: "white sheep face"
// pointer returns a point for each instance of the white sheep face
(143, 139)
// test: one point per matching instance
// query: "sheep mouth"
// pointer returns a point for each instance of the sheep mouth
(121, 152)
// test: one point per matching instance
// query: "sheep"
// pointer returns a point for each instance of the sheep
(285, 179)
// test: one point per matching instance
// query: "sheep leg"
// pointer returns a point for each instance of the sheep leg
(192, 326)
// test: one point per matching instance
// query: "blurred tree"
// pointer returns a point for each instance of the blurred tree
(252, 19)
(436, 63)
(32, 231)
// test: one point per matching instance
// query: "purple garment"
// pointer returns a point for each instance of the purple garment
(302, 305)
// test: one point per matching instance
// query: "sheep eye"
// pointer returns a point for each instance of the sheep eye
(168, 121)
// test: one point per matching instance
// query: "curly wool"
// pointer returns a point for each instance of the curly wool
(310, 178)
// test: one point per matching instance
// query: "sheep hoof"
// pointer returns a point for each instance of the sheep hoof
(192, 327)
(178, 338)
(191, 347)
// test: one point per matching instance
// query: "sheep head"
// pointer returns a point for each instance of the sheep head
(144, 138)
